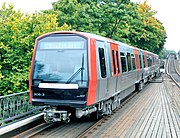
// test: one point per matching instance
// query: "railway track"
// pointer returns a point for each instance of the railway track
(127, 108)
(15, 128)
(84, 127)
(78, 128)
(81, 129)
(154, 112)
(172, 70)
(54, 130)
(102, 121)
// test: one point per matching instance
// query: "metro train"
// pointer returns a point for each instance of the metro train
(77, 74)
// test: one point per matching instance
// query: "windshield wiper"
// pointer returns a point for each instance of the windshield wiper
(77, 72)
(82, 68)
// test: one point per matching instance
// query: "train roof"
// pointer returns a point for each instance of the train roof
(98, 37)
(85, 34)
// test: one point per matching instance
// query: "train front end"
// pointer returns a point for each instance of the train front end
(59, 75)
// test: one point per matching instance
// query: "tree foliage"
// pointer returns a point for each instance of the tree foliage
(164, 53)
(153, 33)
(121, 20)
(18, 32)
(131, 23)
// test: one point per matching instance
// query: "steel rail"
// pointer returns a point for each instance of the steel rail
(168, 72)
(104, 119)
(11, 127)
(33, 131)
(176, 68)
(167, 67)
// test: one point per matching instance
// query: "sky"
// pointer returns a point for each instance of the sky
(167, 12)
(29, 6)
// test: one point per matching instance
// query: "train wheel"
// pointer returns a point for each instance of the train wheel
(140, 85)
(96, 115)
(109, 109)
(119, 102)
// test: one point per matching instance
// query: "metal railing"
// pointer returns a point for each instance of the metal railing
(16, 106)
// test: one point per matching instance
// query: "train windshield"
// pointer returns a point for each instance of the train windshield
(61, 58)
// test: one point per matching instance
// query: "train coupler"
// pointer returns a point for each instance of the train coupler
(53, 115)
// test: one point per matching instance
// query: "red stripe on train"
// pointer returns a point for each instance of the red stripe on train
(91, 96)
(30, 74)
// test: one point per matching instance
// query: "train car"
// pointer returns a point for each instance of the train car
(77, 74)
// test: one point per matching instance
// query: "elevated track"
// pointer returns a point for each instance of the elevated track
(152, 112)
(172, 69)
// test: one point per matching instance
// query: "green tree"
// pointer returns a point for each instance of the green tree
(164, 53)
(18, 32)
(152, 34)
(121, 20)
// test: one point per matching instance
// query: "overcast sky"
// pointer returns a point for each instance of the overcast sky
(167, 12)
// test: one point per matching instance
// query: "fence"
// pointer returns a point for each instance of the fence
(16, 106)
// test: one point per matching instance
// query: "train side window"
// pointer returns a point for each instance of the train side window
(113, 59)
(117, 57)
(155, 61)
(102, 62)
(140, 61)
(133, 61)
(123, 62)
(149, 59)
(144, 61)
(129, 61)
(152, 60)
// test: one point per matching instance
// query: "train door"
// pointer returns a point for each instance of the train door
(137, 60)
(153, 67)
(124, 67)
(115, 68)
(145, 64)
(142, 64)
(101, 53)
